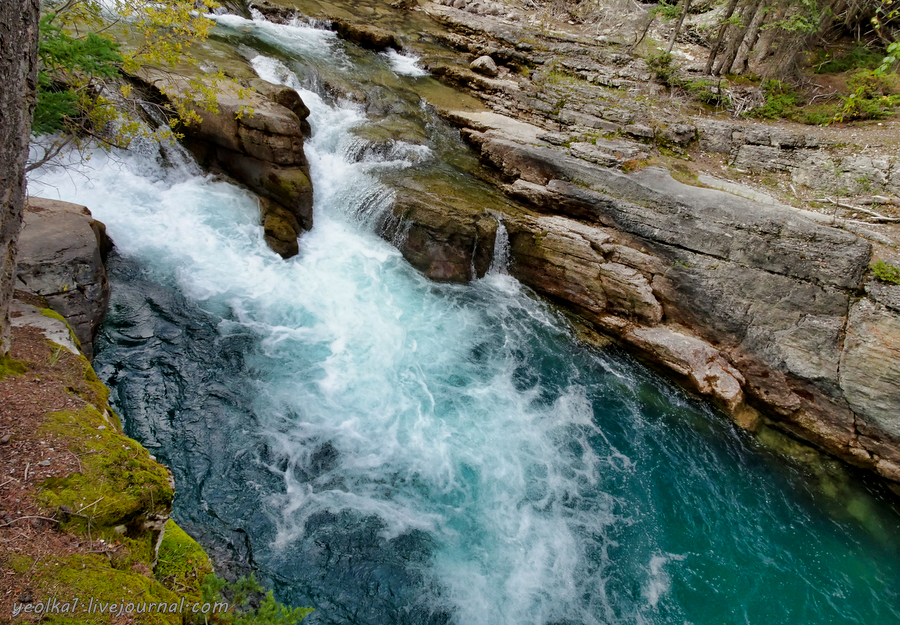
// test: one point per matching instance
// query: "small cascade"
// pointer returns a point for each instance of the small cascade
(391, 450)
(405, 64)
(500, 258)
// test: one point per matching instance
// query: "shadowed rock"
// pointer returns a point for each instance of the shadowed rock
(61, 254)
(257, 138)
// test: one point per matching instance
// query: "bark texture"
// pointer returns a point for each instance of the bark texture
(18, 75)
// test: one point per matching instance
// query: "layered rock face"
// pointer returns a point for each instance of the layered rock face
(61, 254)
(752, 304)
(256, 136)
(568, 92)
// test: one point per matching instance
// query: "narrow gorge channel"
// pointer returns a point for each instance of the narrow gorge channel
(391, 450)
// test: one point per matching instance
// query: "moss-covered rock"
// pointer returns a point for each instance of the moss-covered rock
(8, 366)
(280, 230)
(98, 586)
(119, 483)
(181, 562)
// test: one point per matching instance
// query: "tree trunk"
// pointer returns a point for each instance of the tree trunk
(742, 61)
(651, 17)
(768, 36)
(734, 45)
(714, 49)
(686, 5)
(18, 75)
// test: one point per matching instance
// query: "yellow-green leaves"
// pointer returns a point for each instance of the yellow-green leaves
(88, 47)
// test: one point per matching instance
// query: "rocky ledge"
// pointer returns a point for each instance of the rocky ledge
(84, 509)
(756, 305)
(62, 251)
(256, 136)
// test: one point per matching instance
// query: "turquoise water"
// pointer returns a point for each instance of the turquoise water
(389, 450)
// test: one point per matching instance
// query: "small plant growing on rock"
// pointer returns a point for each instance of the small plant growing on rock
(661, 66)
(252, 605)
(886, 272)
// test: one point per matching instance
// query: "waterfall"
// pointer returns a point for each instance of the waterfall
(390, 450)
(500, 257)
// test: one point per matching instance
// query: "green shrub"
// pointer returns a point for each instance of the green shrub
(885, 272)
(667, 11)
(781, 101)
(707, 91)
(860, 57)
(660, 63)
(873, 95)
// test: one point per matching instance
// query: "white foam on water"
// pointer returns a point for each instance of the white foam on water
(658, 581)
(298, 37)
(414, 385)
(404, 63)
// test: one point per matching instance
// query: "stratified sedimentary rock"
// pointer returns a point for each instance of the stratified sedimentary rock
(752, 304)
(256, 136)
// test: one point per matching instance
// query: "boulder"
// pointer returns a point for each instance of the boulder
(366, 36)
(255, 136)
(484, 65)
(61, 254)
(444, 237)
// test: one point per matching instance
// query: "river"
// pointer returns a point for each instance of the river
(391, 450)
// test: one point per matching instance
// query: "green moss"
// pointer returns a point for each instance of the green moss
(99, 392)
(181, 562)
(885, 272)
(19, 564)
(89, 576)
(287, 184)
(11, 367)
(118, 483)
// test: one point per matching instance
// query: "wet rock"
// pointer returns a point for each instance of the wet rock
(273, 12)
(61, 259)
(446, 237)
(280, 230)
(286, 97)
(370, 37)
(485, 65)
(261, 147)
